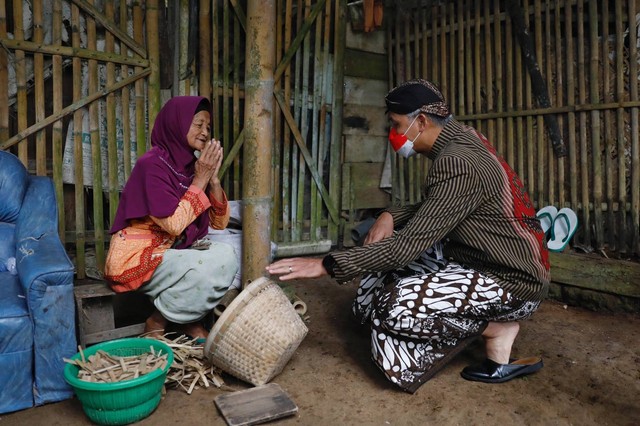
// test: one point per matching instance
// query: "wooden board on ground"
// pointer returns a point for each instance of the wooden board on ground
(255, 405)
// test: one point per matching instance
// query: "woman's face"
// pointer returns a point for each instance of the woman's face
(198, 134)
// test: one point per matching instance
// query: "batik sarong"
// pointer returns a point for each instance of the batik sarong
(424, 314)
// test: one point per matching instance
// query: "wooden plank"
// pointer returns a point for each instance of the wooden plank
(365, 64)
(364, 91)
(365, 149)
(362, 186)
(364, 120)
(596, 273)
(373, 42)
(255, 405)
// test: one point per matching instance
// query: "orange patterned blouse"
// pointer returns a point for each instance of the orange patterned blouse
(136, 251)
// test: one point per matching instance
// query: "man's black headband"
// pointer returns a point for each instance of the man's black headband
(416, 95)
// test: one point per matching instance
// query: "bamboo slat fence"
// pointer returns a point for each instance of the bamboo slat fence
(587, 53)
(80, 88)
(305, 204)
(89, 69)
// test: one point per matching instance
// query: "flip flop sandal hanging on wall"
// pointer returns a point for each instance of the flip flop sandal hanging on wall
(564, 226)
(546, 215)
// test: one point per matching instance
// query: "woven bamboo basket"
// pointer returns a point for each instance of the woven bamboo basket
(257, 333)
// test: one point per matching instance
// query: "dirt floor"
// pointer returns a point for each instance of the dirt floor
(591, 377)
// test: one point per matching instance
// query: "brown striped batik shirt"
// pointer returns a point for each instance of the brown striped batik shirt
(477, 206)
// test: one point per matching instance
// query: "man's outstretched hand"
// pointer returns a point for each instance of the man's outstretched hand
(297, 267)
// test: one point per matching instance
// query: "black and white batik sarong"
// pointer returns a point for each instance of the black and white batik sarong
(426, 313)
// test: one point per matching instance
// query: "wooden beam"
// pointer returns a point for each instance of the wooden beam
(538, 84)
(593, 272)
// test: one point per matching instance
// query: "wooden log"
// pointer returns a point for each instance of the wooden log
(594, 272)
(538, 84)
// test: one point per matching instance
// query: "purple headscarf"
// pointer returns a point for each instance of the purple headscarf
(162, 175)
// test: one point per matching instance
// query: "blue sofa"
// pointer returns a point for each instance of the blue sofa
(37, 314)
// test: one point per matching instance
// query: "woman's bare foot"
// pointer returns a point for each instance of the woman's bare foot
(194, 329)
(498, 338)
(154, 325)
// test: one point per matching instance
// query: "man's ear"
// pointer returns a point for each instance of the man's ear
(424, 122)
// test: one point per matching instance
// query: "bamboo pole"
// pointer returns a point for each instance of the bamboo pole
(477, 84)
(531, 180)
(286, 146)
(571, 100)
(596, 130)
(204, 45)
(296, 115)
(548, 153)
(519, 99)
(216, 127)
(540, 158)
(78, 149)
(609, 143)
(488, 65)
(621, 197)
(39, 95)
(126, 99)
(236, 99)
(315, 125)
(499, 86)
(56, 136)
(4, 76)
(21, 82)
(237, 53)
(635, 129)
(112, 143)
(259, 135)
(560, 58)
(181, 54)
(325, 142)
(153, 52)
(278, 128)
(452, 63)
(335, 143)
(408, 74)
(584, 158)
(96, 148)
(304, 128)
(468, 79)
(226, 114)
(510, 138)
(141, 125)
(460, 67)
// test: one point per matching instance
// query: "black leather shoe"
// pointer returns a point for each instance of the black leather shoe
(492, 372)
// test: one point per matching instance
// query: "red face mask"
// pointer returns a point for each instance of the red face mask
(401, 144)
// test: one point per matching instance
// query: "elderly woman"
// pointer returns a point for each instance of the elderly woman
(166, 208)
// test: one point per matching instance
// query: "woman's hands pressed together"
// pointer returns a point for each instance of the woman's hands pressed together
(208, 165)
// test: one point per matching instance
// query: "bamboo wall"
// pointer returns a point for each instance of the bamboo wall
(587, 52)
(78, 90)
(306, 194)
(87, 87)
